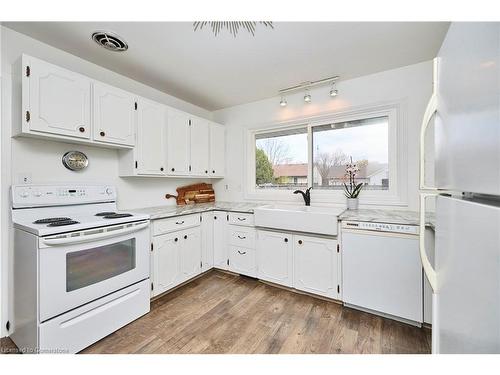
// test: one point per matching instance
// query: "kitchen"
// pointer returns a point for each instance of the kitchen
(252, 216)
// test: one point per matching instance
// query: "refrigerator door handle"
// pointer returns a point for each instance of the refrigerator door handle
(428, 269)
(429, 113)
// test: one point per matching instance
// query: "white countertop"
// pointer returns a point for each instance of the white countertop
(369, 215)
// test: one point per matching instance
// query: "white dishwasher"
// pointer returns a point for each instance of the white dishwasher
(381, 269)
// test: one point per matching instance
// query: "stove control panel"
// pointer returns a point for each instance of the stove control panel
(55, 195)
(381, 227)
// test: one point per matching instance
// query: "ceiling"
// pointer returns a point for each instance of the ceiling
(223, 71)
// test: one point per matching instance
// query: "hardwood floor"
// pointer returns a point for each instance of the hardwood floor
(223, 313)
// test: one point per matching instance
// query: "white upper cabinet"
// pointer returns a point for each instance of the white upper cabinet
(217, 150)
(199, 147)
(178, 140)
(151, 138)
(55, 100)
(114, 115)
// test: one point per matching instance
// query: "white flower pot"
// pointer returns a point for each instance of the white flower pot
(352, 203)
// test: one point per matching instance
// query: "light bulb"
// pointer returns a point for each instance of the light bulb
(307, 97)
(283, 102)
(334, 92)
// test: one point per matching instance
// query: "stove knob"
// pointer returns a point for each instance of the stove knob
(109, 191)
(37, 193)
(24, 194)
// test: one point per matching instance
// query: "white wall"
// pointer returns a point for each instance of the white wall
(42, 159)
(411, 85)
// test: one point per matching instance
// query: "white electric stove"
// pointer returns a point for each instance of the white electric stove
(81, 269)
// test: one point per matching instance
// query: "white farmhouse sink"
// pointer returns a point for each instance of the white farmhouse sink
(308, 219)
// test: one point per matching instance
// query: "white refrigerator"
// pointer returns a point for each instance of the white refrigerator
(464, 108)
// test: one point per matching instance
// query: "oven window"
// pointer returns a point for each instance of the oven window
(91, 266)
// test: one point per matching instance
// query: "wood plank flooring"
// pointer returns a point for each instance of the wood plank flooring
(224, 313)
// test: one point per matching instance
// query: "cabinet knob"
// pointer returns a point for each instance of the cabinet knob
(286, 239)
(206, 171)
(176, 239)
(102, 134)
(215, 217)
(81, 129)
(173, 169)
(213, 171)
(300, 242)
(161, 169)
(185, 237)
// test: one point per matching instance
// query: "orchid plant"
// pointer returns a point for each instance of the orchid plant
(352, 190)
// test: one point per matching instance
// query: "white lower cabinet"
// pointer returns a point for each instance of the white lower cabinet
(275, 257)
(220, 239)
(207, 241)
(176, 258)
(166, 260)
(242, 260)
(315, 265)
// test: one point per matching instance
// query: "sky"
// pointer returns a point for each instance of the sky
(363, 142)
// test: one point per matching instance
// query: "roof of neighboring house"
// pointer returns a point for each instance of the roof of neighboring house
(366, 171)
(337, 172)
(290, 170)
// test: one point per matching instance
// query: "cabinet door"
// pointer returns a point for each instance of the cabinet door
(220, 239)
(58, 101)
(190, 253)
(275, 257)
(242, 260)
(207, 235)
(166, 259)
(151, 138)
(315, 265)
(199, 147)
(114, 115)
(217, 150)
(177, 143)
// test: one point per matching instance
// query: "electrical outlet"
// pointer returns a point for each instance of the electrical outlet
(24, 178)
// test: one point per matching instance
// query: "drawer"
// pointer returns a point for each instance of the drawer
(237, 218)
(83, 326)
(241, 236)
(242, 260)
(175, 223)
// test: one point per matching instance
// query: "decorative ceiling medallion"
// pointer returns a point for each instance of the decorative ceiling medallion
(232, 26)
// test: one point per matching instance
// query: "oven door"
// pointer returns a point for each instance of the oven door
(79, 267)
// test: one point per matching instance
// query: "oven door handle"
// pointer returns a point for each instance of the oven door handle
(106, 233)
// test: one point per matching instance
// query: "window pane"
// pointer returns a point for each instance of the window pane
(281, 159)
(366, 141)
(91, 266)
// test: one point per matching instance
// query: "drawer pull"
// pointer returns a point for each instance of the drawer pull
(242, 218)
(241, 238)
(179, 222)
(176, 239)
(242, 252)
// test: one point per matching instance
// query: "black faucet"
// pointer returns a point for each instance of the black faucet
(306, 195)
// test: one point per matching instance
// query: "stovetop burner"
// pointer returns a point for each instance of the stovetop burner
(51, 220)
(116, 216)
(105, 213)
(62, 223)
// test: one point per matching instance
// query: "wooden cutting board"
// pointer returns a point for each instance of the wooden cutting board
(196, 193)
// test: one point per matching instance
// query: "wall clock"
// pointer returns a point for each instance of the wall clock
(75, 160)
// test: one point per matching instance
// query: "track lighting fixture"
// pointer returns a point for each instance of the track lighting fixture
(307, 96)
(306, 86)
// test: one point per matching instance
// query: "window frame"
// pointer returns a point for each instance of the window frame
(396, 195)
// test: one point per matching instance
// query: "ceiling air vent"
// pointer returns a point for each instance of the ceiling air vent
(110, 41)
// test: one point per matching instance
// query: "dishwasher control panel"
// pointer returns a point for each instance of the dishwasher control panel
(381, 227)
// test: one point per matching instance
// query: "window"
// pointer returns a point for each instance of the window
(281, 160)
(366, 141)
(314, 152)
